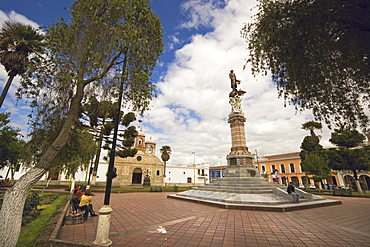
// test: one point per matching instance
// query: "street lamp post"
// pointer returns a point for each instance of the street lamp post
(90, 171)
(102, 233)
(221, 175)
(194, 168)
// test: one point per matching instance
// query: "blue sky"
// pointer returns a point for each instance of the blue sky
(202, 44)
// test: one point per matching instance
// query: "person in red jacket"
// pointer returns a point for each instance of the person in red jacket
(79, 192)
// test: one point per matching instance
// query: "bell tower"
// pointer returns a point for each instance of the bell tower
(140, 141)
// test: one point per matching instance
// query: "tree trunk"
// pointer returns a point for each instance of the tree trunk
(357, 181)
(13, 204)
(359, 189)
(97, 157)
(6, 89)
(14, 198)
(320, 185)
(73, 184)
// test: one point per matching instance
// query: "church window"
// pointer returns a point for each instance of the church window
(150, 149)
(157, 172)
(140, 142)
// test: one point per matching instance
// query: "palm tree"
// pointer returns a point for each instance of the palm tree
(17, 42)
(165, 155)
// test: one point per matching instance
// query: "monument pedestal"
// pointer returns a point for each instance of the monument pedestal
(239, 160)
(240, 166)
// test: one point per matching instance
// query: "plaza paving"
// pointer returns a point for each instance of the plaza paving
(137, 216)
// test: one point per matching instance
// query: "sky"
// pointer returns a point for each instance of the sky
(202, 44)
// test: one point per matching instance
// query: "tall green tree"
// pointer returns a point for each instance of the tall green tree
(10, 142)
(77, 153)
(127, 138)
(85, 52)
(317, 53)
(18, 42)
(99, 114)
(165, 155)
(313, 156)
(316, 165)
(349, 155)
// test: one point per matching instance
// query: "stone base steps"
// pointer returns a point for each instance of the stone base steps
(281, 207)
(243, 185)
(252, 193)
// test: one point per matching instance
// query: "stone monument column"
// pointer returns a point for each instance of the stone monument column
(239, 160)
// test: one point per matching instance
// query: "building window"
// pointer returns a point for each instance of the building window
(198, 171)
(150, 149)
(273, 168)
(263, 169)
(157, 172)
(282, 168)
(140, 142)
(184, 173)
(292, 168)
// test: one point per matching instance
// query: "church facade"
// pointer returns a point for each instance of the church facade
(145, 164)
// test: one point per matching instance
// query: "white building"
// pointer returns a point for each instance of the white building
(182, 175)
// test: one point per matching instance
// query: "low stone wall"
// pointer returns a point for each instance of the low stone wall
(302, 194)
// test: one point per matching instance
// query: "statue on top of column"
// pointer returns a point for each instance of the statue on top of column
(234, 85)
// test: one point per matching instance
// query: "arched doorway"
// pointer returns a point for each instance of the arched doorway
(137, 176)
(295, 181)
(366, 180)
(332, 180)
(348, 179)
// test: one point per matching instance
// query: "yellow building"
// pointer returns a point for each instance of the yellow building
(289, 169)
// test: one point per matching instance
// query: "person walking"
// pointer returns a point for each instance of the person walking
(291, 191)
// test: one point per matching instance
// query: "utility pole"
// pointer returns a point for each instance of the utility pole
(194, 168)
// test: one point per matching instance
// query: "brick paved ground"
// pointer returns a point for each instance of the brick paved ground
(136, 216)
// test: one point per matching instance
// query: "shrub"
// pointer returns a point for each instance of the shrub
(32, 201)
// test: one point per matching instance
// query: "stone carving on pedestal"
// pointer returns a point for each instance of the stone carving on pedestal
(236, 104)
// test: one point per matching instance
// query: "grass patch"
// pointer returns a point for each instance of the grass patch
(361, 195)
(32, 231)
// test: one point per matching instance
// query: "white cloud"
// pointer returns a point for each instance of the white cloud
(192, 111)
(14, 16)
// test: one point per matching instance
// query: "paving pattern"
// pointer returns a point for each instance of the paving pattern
(136, 218)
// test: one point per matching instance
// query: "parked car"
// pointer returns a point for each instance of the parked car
(300, 186)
